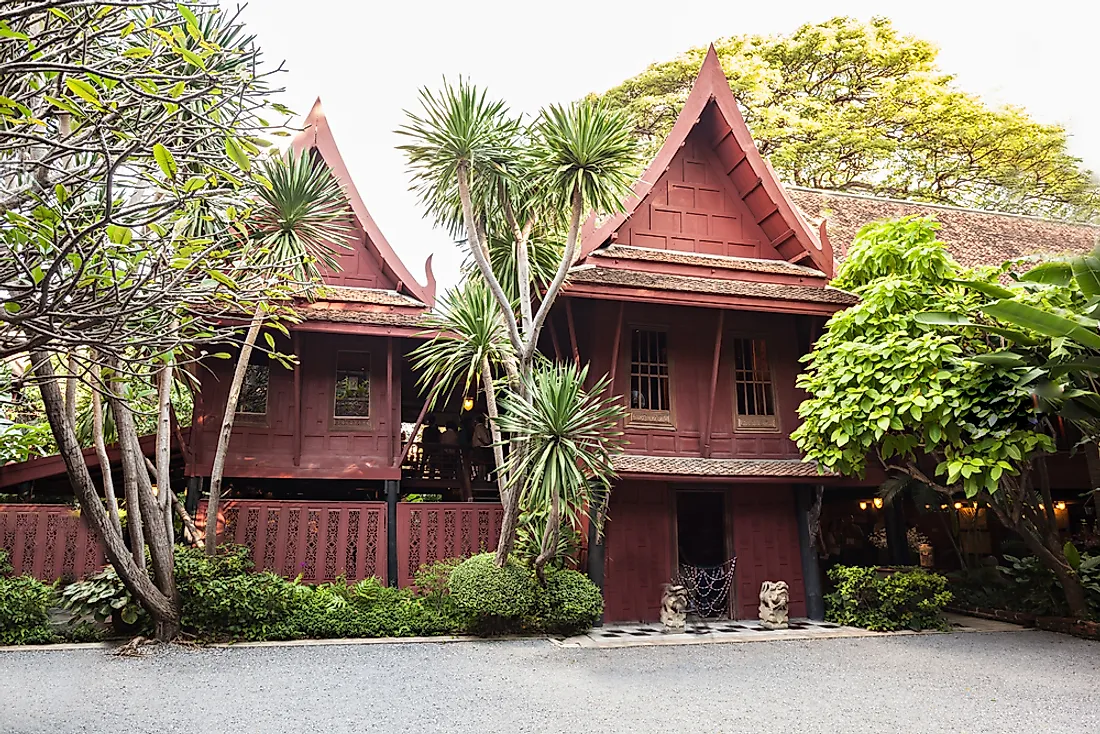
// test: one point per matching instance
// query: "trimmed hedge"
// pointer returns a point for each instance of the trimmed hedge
(902, 600)
(496, 599)
(570, 603)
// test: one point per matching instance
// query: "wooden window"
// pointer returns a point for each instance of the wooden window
(649, 386)
(253, 398)
(755, 394)
(352, 385)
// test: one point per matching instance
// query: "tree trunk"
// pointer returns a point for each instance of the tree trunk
(101, 449)
(1047, 550)
(158, 532)
(134, 521)
(509, 494)
(134, 577)
(227, 430)
(164, 446)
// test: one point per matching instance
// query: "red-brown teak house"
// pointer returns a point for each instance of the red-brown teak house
(698, 300)
(337, 416)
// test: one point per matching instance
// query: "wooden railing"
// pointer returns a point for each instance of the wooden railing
(49, 542)
(317, 540)
(433, 531)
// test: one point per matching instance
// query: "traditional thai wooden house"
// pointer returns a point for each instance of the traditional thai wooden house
(698, 300)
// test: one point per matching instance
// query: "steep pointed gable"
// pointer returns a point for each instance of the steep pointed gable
(709, 191)
(372, 262)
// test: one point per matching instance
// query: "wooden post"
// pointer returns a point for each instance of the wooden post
(572, 331)
(713, 383)
(554, 338)
(615, 347)
(395, 427)
(296, 415)
(393, 492)
(811, 572)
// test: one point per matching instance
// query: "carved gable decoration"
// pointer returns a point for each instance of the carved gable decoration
(370, 261)
(709, 191)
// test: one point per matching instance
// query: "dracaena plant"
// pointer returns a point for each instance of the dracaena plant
(515, 193)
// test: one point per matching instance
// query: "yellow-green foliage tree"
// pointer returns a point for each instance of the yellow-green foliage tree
(851, 106)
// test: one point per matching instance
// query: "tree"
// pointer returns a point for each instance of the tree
(126, 132)
(848, 106)
(489, 177)
(888, 384)
(301, 215)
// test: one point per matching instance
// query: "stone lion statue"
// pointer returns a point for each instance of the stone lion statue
(674, 604)
(774, 597)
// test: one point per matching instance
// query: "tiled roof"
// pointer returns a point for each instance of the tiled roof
(717, 286)
(374, 296)
(748, 264)
(323, 312)
(698, 466)
(974, 236)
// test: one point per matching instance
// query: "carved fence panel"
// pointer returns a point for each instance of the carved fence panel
(49, 541)
(319, 540)
(432, 531)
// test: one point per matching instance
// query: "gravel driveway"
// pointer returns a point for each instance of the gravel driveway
(976, 682)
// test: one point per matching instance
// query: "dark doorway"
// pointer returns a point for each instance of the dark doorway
(701, 528)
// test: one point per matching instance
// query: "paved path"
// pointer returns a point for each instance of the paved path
(1024, 682)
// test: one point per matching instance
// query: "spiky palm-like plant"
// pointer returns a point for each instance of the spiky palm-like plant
(300, 217)
(565, 437)
(485, 175)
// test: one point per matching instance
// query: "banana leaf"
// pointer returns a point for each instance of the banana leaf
(1044, 322)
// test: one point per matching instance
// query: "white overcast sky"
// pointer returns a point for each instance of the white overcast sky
(366, 59)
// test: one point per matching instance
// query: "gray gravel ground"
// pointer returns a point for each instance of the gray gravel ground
(976, 682)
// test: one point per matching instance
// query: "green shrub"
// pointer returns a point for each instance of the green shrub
(83, 631)
(24, 603)
(497, 600)
(903, 600)
(432, 586)
(248, 606)
(6, 568)
(569, 604)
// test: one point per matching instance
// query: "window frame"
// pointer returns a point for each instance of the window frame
(249, 417)
(351, 421)
(649, 417)
(750, 422)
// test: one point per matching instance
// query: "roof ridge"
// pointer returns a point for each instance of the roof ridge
(934, 205)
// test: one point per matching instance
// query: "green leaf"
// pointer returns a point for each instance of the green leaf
(1073, 557)
(192, 58)
(1086, 271)
(269, 339)
(12, 307)
(194, 183)
(7, 32)
(187, 14)
(222, 278)
(990, 289)
(138, 52)
(1003, 359)
(119, 235)
(129, 615)
(84, 90)
(1044, 322)
(236, 152)
(62, 104)
(1052, 273)
(165, 160)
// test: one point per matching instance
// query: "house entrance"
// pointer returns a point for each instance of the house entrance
(705, 566)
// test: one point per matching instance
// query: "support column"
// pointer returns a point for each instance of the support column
(897, 545)
(393, 493)
(811, 571)
(596, 557)
(194, 492)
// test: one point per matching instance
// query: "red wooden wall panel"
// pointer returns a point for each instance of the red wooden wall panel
(639, 551)
(691, 334)
(765, 540)
(265, 446)
(359, 266)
